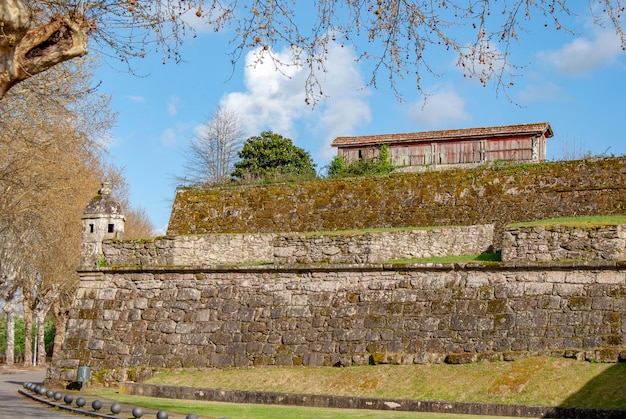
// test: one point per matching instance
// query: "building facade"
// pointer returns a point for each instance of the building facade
(452, 148)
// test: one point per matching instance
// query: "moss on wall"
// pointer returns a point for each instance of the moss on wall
(500, 194)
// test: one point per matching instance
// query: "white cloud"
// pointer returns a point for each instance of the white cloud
(275, 99)
(136, 99)
(439, 109)
(178, 133)
(545, 91)
(168, 137)
(583, 55)
(172, 105)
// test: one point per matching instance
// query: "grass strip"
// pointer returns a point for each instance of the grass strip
(211, 410)
(538, 381)
(584, 221)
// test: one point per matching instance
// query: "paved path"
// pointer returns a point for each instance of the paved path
(14, 406)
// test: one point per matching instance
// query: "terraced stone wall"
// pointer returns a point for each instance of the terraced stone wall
(499, 195)
(340, 247)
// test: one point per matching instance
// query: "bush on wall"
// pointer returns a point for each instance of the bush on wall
(376, 166)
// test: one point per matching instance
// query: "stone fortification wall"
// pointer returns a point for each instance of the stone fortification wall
(124, 318)
(563, 242)
(344, 247)
(500, 195)
(379, 247)
(195, 250)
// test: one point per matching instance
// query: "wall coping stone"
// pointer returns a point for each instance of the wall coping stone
(343, 267)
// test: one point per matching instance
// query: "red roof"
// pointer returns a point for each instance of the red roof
(541, 128)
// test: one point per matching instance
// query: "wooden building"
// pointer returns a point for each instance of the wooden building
(452, 148)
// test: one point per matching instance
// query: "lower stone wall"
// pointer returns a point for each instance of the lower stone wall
(563, 242)
(339, 247)
(125, 318)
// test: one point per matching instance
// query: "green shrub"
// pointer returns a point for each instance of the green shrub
(376, 166)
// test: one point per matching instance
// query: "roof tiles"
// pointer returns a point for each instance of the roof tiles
(541, 128)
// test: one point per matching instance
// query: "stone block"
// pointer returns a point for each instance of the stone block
(313, 359)
(167, 326)
(185, 328)
(535, 289)
(285, 360)
(611, 278)
(463, 322)
(460, 358)
(185, 294)
(220, 360)
(607, 355)
(602, 303)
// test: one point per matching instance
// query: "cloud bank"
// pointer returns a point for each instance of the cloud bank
(274, 99)
(583, 56)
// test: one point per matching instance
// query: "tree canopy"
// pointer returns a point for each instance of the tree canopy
(401, 37)
(271, 157)
(51, 164)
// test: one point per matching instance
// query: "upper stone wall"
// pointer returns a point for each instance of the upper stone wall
(563, 242)
(499, 195)
(343, 247)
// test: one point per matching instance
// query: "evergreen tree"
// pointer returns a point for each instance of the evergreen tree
(272, 157)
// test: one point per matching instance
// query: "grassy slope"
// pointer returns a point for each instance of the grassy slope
(542, 381)
(586, 221)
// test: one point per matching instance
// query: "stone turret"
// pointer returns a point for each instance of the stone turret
(102, 219)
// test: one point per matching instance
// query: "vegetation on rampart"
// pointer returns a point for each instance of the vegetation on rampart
(500, 194)
(585, 221)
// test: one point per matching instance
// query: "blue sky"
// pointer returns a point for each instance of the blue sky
(574, 81)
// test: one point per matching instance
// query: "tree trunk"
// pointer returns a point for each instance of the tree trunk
(60, 322)
(26, 50)
(9, 309)
(28, 336)
(41, 344)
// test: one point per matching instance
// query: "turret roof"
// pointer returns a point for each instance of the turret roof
(103, 203)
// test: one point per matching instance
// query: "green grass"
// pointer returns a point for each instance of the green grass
(370, 230)
(179, 408)
(542, 381)
(482, 257)
(585, 221)
(537, 381)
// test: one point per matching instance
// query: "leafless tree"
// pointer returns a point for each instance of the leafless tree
(138, 224)
(212, 153)
(401, 36)
(573, 148)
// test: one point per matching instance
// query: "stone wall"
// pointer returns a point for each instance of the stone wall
(564, 242)
(193, 250)
(500, 195)
(379, 247)
(339, 247)
(124, 318)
